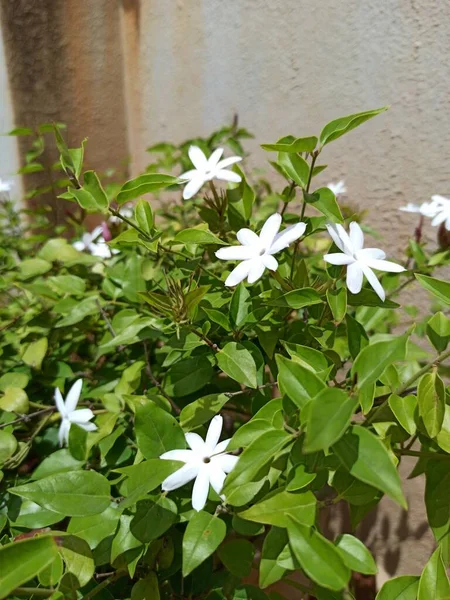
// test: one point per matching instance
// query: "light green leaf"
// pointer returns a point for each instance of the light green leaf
(443, 437)
(438, 287)
(324, 200)
(373, 359)
(434, 581)
(318, 557)
(355, 555)
(35, 352)
(202, 410)
(334, 129)
(329, 415)
(144, 216)
(274, 544)
(15, 400)
(78, 493)
(295, 167)
(60, 461)
(13, 379)
(144, 184)
(400, 588)
(51, 575)
(145, 477)
(290, 144)
(240, 306)
(431, 401)
(337, 300)
(78, 559)
(297, 382)
(198, 236)
(157, 431)
(23, 560)
(237, 362)
(8, 445)
(94, 528)
(31, 267)
(91, 197)
(366, 458)
(438, 331)
(277, 508)
(403, 408)
(297, 299)
(202, 537)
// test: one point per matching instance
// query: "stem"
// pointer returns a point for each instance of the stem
(156, 383)
(211, 344)
(215, 194)
(286, 202)
(431, 455)
(103, 584)
(105, 318)
(248, 390)
(440, 358)
(29, 417)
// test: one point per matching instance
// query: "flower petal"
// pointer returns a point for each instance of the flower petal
(270, 262)
(184, 475)
(216, 479)
(356, 236)
(372, 279)
(226, 162)
(226, 175)
(192, 187)
(345, 238)
(410, 208)
(226, 462)
(195, 442)
(213, 435)
(371, 253)
(354, 277)
(384, 265)
(440, 199)
(83, 415)
(283, 239)
(213, 160)
(188, 175)
(439, 218)
(73, 396)
(235, 253)
(200, 490)
(198, 159)
(63, 433)
(269, 230)
(334, 234)
(257, 269)
(181, 455)
(87, 426)
(79, 245)
(336, 258)
(239, 273)
(247, 237)
(59, 401)
(221, 446)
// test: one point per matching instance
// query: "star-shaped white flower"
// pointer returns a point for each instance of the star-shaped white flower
(360, 261)
(5, 186)
(337, 188)
(442, 211)
(95, 244)
(206, 462)
(256, 252)
(207, 169)
(70, 415)
(426, 209)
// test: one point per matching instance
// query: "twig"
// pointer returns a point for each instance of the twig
(249, 390)
(430, 455)
(26, 418)
(156, 383)
(103, 584)
(210, 343)
(28, 592)
(105, 318)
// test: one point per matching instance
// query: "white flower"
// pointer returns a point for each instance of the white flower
(426, 209)
(207, 169)
(337, 188)
(69, 415)
(5, 186)
(360, 261)
(126, 211)
(256, 252)
(206, 462)
(442, 211)
(98, 247)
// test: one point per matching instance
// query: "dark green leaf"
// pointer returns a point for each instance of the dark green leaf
(295, 167)
(277, 508)
(153, 517)
(297, 299)
(202, 537)
(237, 556)
(237, 362)
(157, 431)
(297, 382)
(202, 410)
(269, 570)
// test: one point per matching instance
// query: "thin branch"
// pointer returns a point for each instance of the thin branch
(105, 318)
(430, 455)
(148, 370)
(210, 343)
(249, 390)
(26, 418)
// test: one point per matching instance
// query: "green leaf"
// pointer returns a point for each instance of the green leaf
(403, 408)
(325, 201)
(443, 437)
(356, 335)
(366, 458)
(400, 588)
(269, 569)
(153, 517)
(237, 362)
(296, 299)
(23, 560)
(144, 184)
(32, 267)
(311, 359)
(35, 352)
(94, 528)
(373, 359)
(277, 508)
(188, 376)
(60, 461)
(300, 479)
(202, 537)
(437, 485)
(124, 543)
(295, 167)
(240, 306)
(329, 415)
(198, 236)
(292, 145)
(431, 401)
(355, 555)
(434, 581)
(334, 129)
(237, 556)
(68, 284)
(216, 316)
(438, 287)
(318, 557)
(80, 311)
(93, 186)
(202, 410)
(75, 494)
(297, 382)
(438, 331)
(145, 477)
(13, 379)
(8, 445)
(144, 216)
(51, 575)
(33, 516)
(15, 400)
(147, 588)
(157, 431)
(78, 559)
(256, 456)
(337, 300)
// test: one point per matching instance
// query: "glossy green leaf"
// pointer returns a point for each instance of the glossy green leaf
(438, 287)
(334, 129)
(8, 445)
(60, 461)
(157, 431)
(324, 201)
(366, 458)
(202, 537)
(400, 588)
(269, 569)
(337, 300)
(318, 557)
(355, 555)
(237, 556)
(144, 215)
(277, 508)
(51, 575)
(438, 331)
(431, 401)
(78, 559)
(202, 410)
(78, 493)
(144, 184)
(290, 144)
(237, 362)
(403, 408)
(188, 376)
(23, 560)
(295, 167)
(297, 382)
(329, 415)
(35, 353)
(296, 299)
(434, 581)
(94, 528)
(199, 236)
(145, 477)
(373, 359)
(15, 400)
(436, 497)
(240, 306)
(153, 517)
